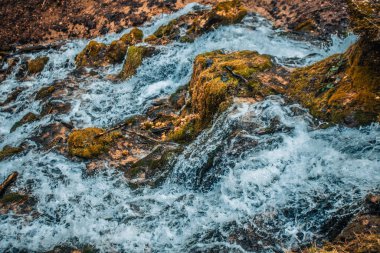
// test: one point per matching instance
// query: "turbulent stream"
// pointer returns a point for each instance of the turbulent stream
(235, 189)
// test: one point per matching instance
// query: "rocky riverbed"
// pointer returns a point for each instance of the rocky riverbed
(233, 126)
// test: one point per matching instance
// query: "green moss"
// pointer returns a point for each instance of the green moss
(134, 59)
(9, 151)
(185, 131)
(28, 118)
(90, 142)
(186, 39)
(97, 54)
(133, 37)
(225, 13)
(13, 197)
(92, 55)
(37, 65)
(213, 86)
(169, 30)
(340, 89)
(116, 52)
(45, 92)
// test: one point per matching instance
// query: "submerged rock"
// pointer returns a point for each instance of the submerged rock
(37, 65)
(9, 151)
(12, 96)
(154, 167)
(45, 92)
(28, 118)
(97, 54)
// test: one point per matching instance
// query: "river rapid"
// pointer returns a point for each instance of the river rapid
(236, 188)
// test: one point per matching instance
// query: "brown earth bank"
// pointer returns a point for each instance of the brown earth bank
(46, 21)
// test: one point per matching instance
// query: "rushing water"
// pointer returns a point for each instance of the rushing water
(237, 188)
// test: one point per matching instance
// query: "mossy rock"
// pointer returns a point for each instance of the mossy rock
(135, 57)
(92, 55)
(151, 39)
(45, 92)
(116, 52)
(226, 13)
(37, 65)
(28, 118)
(152, 169)
(9, 151)
(134, 37)
(343, 88)
(213, 86)
(170, 30)
(13, 197)
(97, 54)
(185, 131)
(90, 142)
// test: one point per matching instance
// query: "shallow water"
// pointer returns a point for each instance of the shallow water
(236, 188)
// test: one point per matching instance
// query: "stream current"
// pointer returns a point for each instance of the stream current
(234, 189)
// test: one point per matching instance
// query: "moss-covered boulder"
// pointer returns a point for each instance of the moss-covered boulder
(343, 88)
(92, 55)
(9, 151)
(28, 118)
(90, 142)
(134, 37)
(199, 22)
(37, 65)
(97, 54)
(135, 57)
(218, 77)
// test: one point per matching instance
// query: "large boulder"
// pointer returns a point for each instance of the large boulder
(217, 79)
(345, 88)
